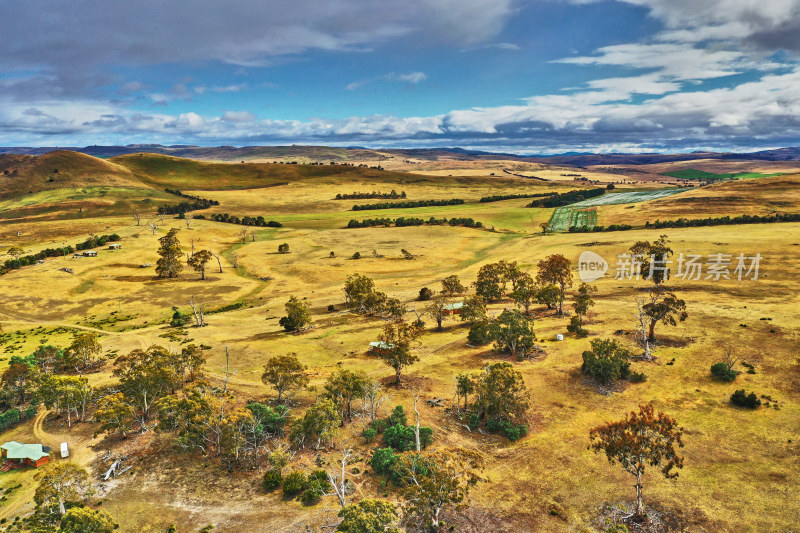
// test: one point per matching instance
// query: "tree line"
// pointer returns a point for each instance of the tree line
(726, 220)
(244, 221)
(413, 221)
(184, 207)
(415, 203)
(18, 260)
(392, 195)
(566, 198)
(498, 197)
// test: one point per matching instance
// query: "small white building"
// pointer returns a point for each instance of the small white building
(115, 246)
(64, 450)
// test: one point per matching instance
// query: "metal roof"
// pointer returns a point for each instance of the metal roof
(16, 450)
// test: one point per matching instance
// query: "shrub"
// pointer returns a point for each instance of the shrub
(398, 416)
(380, 425)
(742, 399)
(178, 318)
(294, 483)
(508, 429)
(316, 487)
(575, 327)
(723, 372)
(383, 461)
(637, 377)
(357, 255)
(331, 308)
(480, 333)
(425, 294)
(369, 434)
(272, 480)
(403, 438)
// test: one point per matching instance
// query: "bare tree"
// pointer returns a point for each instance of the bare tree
(219, 261)
(243, 235)
(642, 328)
(338, 479)
(198, 308)
(137, 218)
(153, 227)
(188, 223)
(253, 235)
(235, 259)
(373, 398)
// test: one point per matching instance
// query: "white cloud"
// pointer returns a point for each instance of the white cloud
(411, 77)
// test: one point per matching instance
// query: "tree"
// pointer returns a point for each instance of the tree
(198, 310)
(664, 307)
(555, 270)
(283, 248)
(83, 352)
(298, 315)
(66, 393)
(189, 363)
(114, 414)
(86, 520)
(525, 291)
(548, 295)
(500, 393)
(607, 361)
(398, 340)
(285, 372)
(319, 422)
(436, 481)
(451, 286)
(373, 398)
(198, 262)
(395, 309)
(491, 282)
(513, 333)
(465, 385)
(356, 290)
(437, 310)
(15, 252)
(243, 235)
(169, 265)
(641, 439)
(425, 294)
(145, 377)
(474, 309)
(582, 302)
(18, 379)
(61, 484)
(653, 259)
(344, 386)
(368, 516)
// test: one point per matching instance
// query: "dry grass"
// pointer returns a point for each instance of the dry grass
(741, 466)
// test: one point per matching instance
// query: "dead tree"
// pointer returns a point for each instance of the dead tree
(243, 235)
(338, 479)
(198, 308)
(137, 218)
(219, 262)
(373, 399)
(153, 227)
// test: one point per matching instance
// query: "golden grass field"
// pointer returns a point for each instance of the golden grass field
(741, 468)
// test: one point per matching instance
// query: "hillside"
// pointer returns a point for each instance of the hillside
(26, 174)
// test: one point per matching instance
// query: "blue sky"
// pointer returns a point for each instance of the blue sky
(543, 76)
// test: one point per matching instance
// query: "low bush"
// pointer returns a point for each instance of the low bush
(272, 480)
(723, 372)
(294, 483)
(742, 399)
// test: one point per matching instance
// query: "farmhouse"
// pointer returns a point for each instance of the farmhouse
(453, 309)
(380, 347)
(115, 246)
(90, 253)
(17, 454)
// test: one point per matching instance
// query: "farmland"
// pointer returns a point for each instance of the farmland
(740, 465)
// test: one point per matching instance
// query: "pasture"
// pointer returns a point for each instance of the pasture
(740, 466)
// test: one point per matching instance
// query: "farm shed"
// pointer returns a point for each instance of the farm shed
(90, 253)
(453, 309)
(380, 347)
(24, 454)
(115, 246)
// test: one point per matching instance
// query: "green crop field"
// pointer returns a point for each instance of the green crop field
(694, 174)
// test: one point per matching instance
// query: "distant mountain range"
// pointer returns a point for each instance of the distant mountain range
(327, 153)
